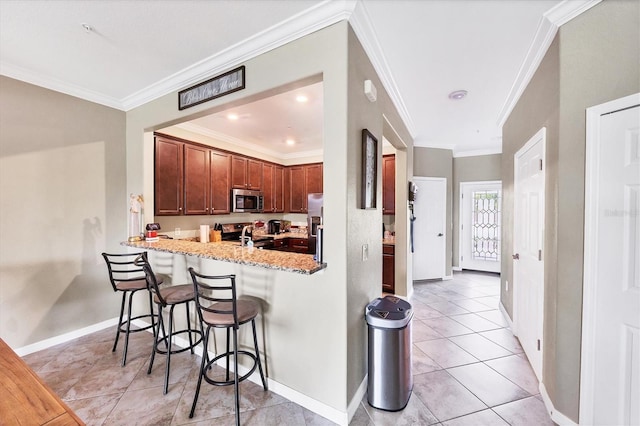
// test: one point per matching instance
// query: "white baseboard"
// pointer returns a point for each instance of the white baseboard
(292, 395)
(506, 316)
(556, 416)
(63, 338)
(456, 268)
(355, 401)
(447, 278)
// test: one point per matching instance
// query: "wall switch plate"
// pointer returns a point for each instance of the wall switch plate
(365, 252)
(177, 232)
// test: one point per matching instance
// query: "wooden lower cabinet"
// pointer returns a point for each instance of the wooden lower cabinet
(298, 245)
(388, 269)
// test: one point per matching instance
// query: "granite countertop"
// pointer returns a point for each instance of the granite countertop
(231, 252)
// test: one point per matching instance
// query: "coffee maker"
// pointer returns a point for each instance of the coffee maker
(274, 227)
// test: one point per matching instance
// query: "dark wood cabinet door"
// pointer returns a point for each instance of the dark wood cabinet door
(220, 182)
(238, 172)
(388, 269)
(278, 189)
(168, 179)
(389, 184)
(196, 180)
(268, 186)
(297, 191)
(254, 174)
(313, 178)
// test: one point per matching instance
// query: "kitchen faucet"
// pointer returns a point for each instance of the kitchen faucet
(244, 231)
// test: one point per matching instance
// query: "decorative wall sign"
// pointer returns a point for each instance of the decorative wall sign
(221, 85)
(369, 170)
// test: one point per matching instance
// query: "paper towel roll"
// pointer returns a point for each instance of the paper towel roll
(204, 233)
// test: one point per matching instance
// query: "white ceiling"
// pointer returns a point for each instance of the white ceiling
(422, 49)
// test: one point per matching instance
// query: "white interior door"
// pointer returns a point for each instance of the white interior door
(480, 225)
(610, 391)
(429, 228)
(528, 241)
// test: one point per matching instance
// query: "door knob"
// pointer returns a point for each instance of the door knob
(516, 256)
(440, 234)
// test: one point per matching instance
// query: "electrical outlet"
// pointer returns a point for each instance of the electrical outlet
(365, 252)
(506, 285)
(177, 232)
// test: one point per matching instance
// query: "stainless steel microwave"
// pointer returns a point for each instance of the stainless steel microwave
(246, 201)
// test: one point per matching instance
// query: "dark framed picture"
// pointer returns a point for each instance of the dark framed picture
(369, 170)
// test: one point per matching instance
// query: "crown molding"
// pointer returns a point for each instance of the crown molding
(299, 25)
(50, 83)
(565, 11)
(547, 28)
(477, 152)
(203, 131)
(361, 24)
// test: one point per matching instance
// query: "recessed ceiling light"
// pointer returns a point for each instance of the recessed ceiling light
(232, 116)
(457, 95)
(290, 142)
(302, 99)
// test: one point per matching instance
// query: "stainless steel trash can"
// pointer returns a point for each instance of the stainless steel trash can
(390, 378)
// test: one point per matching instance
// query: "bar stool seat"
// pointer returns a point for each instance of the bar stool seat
(128, 277)
(218, 307)
(171, 297)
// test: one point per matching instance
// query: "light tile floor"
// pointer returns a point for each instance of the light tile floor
(468, 370)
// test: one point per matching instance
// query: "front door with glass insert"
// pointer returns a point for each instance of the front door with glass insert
(480, 217)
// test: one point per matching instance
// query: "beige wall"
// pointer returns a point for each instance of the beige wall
(364, 278)
(435, 162)
(63, 201)
(470, 169)
(593, 59)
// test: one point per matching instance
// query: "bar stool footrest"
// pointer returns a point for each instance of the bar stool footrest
(229, 382)
(164, 340)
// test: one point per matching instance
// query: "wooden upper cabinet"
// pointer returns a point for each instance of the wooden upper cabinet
(238, 172)
(278, 189)
(254, 174)
(267, 187)
(273, 188)
(303, 180)
(313, 178)
(168, 179)
(246, 173)
(196, 180)
(297, 194)
(389, 184)
(220, 171)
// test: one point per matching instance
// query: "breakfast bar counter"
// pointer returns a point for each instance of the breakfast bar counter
(232, 252)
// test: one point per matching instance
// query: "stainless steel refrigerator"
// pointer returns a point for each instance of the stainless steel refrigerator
(314, 224)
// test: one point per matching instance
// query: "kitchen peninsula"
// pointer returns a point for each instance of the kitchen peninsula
(232, 252)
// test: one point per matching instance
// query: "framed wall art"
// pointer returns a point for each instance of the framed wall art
(369, 170)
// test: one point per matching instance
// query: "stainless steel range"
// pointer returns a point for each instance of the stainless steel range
(233, 232)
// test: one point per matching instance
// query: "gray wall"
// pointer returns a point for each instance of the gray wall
(63, 201)
(435, 162)
(593, 59)
(364, 278)
(470, 169)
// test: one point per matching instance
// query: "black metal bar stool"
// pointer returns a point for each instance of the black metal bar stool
(128, 277)
(218, 307)
(169, 296)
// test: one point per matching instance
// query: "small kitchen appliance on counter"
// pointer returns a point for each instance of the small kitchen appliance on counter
(275, 227)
